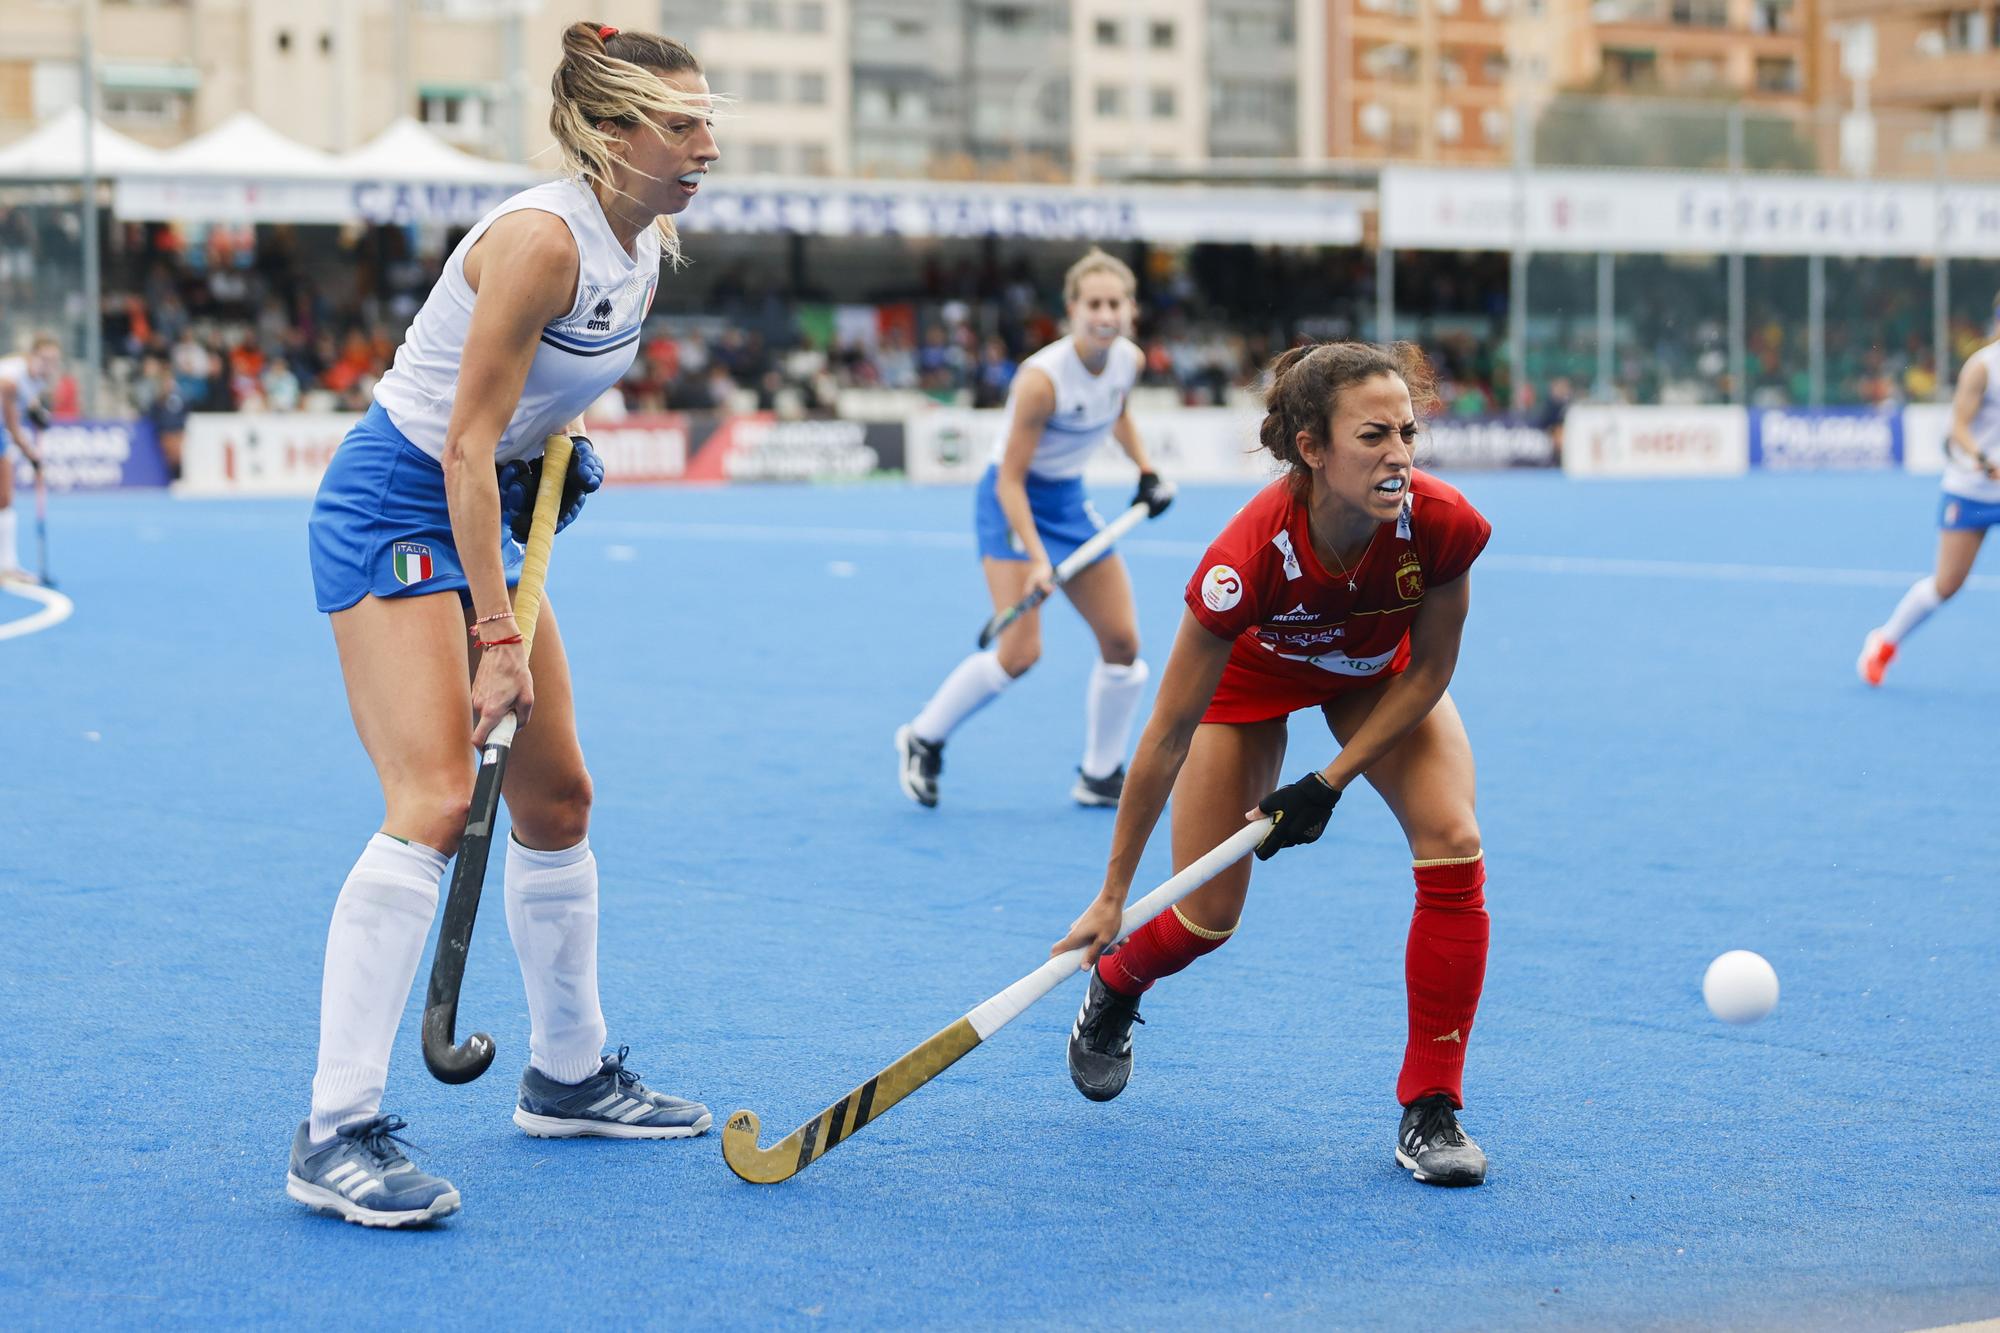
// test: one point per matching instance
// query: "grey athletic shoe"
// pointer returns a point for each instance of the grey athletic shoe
(610, 1104)
(1100, 1044)
(1103, 792)
(918, 764)
(362, 1176)
(1433, 1149)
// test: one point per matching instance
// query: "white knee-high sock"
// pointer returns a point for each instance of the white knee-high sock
(10, 556)
(372, 950)
(972, 684)
(1913, 610)
(552, 915)
(1109, 705)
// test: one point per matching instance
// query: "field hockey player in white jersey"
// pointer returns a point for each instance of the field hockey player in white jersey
(1969, 505)
(537, 312)
(23, 381)
(1030, 512)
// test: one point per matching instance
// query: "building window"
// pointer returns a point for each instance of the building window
(764, 159)
(1393, 62)
(810, 16)
(813, 159)
(1163, 102)
(155, 108)
(1701, 13)
(811, 88)
(1110, 100)
(461, 116)
(1631, 69)
(1163, 35)
(1107, 32)
(1374, 118)
(1777, 74)
(1004, 18)
(761, 14)
(1493, 124)
(1965, 30)
(1450, 125)
(763, 85)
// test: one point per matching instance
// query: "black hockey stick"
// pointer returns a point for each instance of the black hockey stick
(461, 1062)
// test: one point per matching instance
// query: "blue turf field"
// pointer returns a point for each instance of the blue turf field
(1676, 759)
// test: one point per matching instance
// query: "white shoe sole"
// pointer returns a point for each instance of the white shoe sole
(1083, 795)
(904, 756)
(1409, 1164)
(324, 1200)
(555, 1127)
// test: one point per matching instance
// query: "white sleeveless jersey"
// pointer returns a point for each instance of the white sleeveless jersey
(1960, 476)
(27, 389)
(1087, 405)
(581, 354)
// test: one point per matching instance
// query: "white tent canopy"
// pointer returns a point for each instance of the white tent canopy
(406, 151)
(54, 151)
(245, 148)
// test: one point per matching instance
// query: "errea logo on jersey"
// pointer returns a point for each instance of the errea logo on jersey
(1221, 588)
(600, 318)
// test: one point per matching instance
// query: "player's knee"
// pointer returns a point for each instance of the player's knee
(1120, 649)
(1017, 657)
(1448, 840)
(559, 815)
(1948, 585)
(432, 814)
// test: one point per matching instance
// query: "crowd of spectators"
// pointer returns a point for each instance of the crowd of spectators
(276, 319)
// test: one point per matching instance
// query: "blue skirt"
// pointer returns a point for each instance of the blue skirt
(380, 524)
(1956, 513)
(1064, 517)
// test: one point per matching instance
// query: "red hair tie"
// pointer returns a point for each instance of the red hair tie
(606, 33)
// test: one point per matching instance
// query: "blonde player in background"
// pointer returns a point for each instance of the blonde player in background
(537, 313)
(1031, 511)
(1969, 506)
(23, 381)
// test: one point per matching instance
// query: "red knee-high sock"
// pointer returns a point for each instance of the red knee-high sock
(1160, 948)
(1443, 969)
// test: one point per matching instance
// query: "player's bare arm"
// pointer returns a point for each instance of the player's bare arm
(524, 273)
(1034, 403)
(1966, 397)
(1186, 687)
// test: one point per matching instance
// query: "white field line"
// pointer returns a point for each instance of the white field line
(1595, 566)
(56, 608)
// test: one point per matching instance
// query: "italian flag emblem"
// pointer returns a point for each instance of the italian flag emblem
(412, 563)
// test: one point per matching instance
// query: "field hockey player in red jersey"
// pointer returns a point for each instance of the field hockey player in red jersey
(1341, 587)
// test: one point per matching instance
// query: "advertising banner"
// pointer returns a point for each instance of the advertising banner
(1784, 439)
(1690, 212)
(1924, 427)
(1484, 442)
(95, 456)
(259, 453)
(1612, 441)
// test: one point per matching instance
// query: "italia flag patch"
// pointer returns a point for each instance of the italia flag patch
(412, 562)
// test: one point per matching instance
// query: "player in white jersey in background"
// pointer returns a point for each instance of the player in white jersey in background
(1031, 511)
(538, 311)
(23, 381)
(1969, 506)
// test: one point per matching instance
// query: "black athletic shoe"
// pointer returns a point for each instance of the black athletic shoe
(1432, 1147)
(1100, 1045)
(1103, 791)
(922, 761)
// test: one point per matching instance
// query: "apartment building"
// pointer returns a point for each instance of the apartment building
(1932, 68)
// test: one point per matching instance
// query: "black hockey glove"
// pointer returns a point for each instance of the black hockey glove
(1153, 493)
(1299, 812)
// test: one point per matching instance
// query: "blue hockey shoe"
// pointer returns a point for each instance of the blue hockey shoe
(362, 1176)
(611, 1104)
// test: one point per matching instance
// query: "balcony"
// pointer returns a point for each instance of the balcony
(1937, 81)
